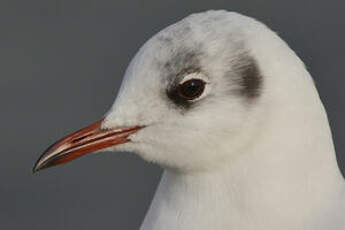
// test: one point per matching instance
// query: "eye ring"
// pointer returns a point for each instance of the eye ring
(191, 89)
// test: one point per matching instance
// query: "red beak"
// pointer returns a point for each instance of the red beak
(86, 140)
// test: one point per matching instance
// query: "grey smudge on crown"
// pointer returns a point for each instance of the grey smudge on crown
(165, 40)
(248, 76)
(176, 42)
(183, 57)
(184, 62)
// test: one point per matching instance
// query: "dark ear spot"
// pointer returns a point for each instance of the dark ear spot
(249, 77)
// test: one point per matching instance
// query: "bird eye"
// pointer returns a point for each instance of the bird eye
(191, 89)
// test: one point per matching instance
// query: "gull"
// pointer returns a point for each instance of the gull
(231, 114)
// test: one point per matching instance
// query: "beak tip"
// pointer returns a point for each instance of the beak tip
(35, 169)
(38, 167)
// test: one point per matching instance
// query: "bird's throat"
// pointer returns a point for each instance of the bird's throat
(287, 181)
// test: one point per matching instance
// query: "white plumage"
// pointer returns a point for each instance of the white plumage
(254, 151)
(268, 165)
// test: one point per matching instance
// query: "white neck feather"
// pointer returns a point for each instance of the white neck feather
(285, 182)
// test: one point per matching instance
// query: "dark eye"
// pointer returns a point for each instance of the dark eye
(191, 89)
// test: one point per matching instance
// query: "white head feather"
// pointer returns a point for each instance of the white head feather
(245, 154)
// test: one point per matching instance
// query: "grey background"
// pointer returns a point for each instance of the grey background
(61, 64)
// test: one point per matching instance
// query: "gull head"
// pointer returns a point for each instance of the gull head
(191, 98)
